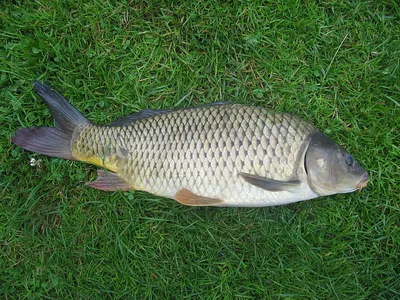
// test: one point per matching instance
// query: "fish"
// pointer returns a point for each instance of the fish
(220, 154)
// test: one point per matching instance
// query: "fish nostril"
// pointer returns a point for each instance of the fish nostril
(349, 160)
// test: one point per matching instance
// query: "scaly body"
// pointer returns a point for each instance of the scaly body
(203, 150)
(221, 154)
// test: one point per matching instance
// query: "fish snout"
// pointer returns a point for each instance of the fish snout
(363, 182)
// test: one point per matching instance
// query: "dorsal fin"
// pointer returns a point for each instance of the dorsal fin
(147, 113)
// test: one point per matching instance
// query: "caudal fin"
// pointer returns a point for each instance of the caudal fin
(51, 141)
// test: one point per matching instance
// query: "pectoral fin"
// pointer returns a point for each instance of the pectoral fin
(271, 185)
(186, 197)
(109, 181)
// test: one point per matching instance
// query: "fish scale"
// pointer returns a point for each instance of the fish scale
(176, 150)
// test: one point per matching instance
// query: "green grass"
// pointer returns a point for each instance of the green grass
(334, 63)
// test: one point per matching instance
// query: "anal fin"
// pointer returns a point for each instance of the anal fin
(109, 181)
(186, 197)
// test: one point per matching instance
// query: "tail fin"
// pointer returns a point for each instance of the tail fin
(51, 141)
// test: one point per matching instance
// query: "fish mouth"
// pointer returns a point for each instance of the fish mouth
(363, 182)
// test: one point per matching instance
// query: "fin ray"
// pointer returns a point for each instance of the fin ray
(271, 185)
(147, 113)
(186, 197)
(64, 114)
(109, 181)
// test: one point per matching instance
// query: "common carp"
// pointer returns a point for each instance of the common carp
(214, 155)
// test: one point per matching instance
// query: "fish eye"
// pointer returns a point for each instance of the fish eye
(349, 160)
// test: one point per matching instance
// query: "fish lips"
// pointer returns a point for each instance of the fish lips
(363, 182)
(360, 185)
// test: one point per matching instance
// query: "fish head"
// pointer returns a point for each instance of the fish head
(330, 169)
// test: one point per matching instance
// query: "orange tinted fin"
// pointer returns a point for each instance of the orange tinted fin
(108, 181)
(186, 197)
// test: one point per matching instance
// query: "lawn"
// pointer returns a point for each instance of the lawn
(334, 63)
